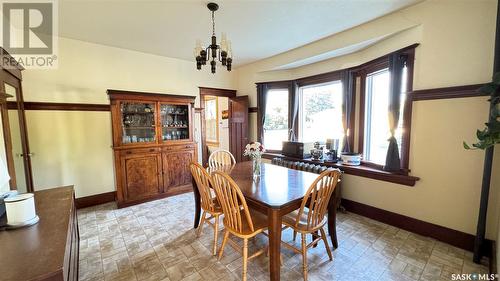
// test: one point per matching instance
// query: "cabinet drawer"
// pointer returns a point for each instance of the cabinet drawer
(139, 151)
(188, 146)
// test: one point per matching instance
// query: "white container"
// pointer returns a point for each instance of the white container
(20, 209)
(352, 159)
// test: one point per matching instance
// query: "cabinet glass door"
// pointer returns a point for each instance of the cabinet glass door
(138, 122)
(174, 122)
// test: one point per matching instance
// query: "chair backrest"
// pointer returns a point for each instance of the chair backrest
(202, 179)
(232, 201)
(221, 157)
(318, 196)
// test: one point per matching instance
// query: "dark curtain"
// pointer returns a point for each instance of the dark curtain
(261, 107)
(293, 111)
(347, 97)
(396, 65)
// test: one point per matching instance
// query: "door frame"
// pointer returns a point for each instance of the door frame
(205, 91)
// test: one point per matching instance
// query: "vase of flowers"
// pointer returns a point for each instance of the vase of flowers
(254, 150)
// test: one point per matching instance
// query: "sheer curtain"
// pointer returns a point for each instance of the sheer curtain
(396, 65)
(293, 111)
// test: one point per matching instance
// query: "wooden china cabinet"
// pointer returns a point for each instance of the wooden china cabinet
(153, 145)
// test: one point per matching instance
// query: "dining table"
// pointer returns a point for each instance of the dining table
(276, 192)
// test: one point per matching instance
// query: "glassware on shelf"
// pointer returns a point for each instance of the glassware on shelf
(138, 122)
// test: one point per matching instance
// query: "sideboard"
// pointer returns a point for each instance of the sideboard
(49, 249)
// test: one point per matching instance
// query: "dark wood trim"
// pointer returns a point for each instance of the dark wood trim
(366, 171)
(447, 93)
(276, 84)
(453, 237)
(320, 78)
(60, 106)
(97, 199)
(198, 109)
(253, 109)
(217, 92)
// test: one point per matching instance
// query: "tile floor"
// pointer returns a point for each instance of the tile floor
(155, 241)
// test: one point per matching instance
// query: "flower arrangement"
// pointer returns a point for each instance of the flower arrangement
(254, 150)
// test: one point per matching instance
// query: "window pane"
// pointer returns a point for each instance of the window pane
(276, 119)
(377, 131)
(211, 120)
(321, 112)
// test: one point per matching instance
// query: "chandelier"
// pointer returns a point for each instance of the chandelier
(214, 52)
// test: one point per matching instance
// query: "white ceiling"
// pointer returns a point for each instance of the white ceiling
(257, 29)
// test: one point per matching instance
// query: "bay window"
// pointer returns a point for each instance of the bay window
(324, 106)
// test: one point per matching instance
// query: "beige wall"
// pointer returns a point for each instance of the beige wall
(75, 147)
(456, 48)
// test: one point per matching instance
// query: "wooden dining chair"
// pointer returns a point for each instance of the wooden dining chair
(239, 220)
(311, 216)
(209, 203)
(221, 157)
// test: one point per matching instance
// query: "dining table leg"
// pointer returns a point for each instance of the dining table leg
(274, 228)
(197, 204)
(332, 222)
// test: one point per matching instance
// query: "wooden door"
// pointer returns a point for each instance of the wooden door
(176, 170)
(142, 176)
(238, 126)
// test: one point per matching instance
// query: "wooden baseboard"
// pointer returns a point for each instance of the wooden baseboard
(450, 236)
(93, 200)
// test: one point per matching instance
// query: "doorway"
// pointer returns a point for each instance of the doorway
(224, 114)
(216, 123)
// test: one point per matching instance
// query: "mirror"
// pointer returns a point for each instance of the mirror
(16, 138)
(4, 183)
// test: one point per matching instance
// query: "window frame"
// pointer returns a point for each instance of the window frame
(330, 79)
(209, 98)
(278, 87)
(362, 73)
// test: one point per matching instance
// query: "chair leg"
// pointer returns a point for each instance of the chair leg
(216, 231)
(304, 256)
(323, 235)
(294, 235)
(245, 258)
(221, 251)
(200, 226)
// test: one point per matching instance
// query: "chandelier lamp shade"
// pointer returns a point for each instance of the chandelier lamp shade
(214, 52)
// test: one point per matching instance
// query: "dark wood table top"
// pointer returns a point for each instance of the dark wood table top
(37, 251)
(276, 187)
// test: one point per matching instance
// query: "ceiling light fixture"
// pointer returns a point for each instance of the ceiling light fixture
(221, 52)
